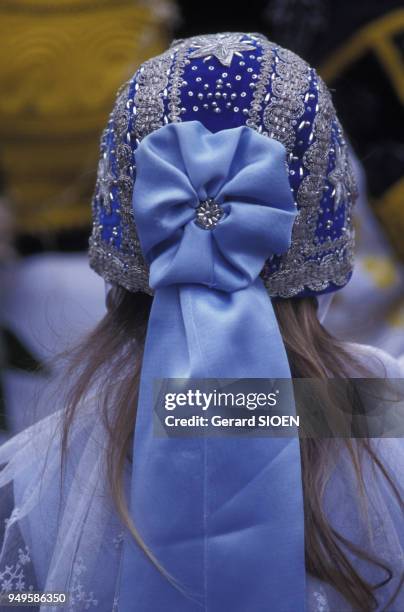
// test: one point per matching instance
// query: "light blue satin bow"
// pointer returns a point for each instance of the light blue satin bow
(224, 516)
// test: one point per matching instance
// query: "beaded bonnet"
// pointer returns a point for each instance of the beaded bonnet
(225, 81)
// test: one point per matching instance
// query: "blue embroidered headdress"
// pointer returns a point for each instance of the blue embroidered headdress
(223, 180)
(225, 81)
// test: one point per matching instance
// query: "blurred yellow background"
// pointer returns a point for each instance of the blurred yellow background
(61, 62)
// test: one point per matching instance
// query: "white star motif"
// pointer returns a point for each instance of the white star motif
(222, 46)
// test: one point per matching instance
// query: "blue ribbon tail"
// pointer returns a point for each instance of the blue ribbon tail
(222, 515)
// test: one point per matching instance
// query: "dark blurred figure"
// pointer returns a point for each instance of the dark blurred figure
(211, 17)
(359, 49)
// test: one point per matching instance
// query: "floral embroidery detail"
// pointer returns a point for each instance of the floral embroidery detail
(77, 594)
(13, 518)
(13, 578)
(118, 540)
(338, 177)
(321, 601)
(222, 46)
(106, 179)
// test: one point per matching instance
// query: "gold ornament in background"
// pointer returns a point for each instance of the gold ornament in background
(61, 63)
(382, 37)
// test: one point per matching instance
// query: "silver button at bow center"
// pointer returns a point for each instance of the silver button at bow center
(208, 214)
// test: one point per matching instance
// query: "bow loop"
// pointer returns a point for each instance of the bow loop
(210, 208)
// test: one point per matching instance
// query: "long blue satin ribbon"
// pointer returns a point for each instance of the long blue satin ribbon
(223, 516)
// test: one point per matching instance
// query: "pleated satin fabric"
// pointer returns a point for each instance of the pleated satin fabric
(223, 516)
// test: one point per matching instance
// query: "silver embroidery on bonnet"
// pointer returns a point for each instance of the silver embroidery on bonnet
(287, 97)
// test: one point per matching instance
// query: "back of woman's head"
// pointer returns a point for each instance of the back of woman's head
(110, 360)
(223, 210)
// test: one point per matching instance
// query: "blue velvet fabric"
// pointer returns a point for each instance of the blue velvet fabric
(238, 82)
(223, 516)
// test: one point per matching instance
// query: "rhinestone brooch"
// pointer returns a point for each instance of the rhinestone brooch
(208, 214)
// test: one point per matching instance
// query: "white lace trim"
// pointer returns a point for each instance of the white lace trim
(321, 601)
(13, 577)
(77, 594)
